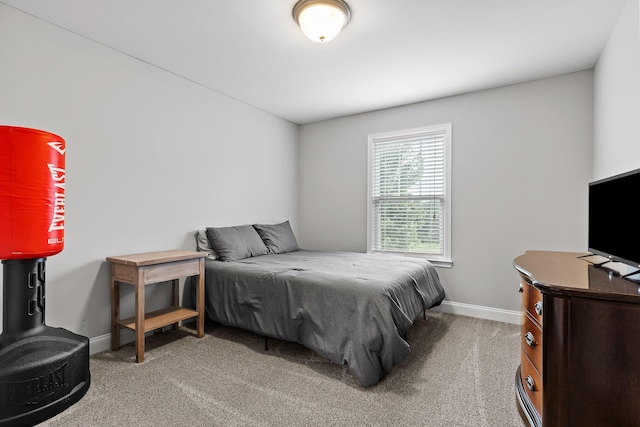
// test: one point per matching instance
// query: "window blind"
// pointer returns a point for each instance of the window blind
(407, 184)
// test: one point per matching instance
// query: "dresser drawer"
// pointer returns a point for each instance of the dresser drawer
(531, 382)
(532, 301)
(531, 337)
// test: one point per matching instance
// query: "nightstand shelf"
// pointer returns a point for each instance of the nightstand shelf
(160, 318)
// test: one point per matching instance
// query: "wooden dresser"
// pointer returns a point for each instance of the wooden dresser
(580, 348)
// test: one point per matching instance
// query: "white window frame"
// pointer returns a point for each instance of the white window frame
(444, 259)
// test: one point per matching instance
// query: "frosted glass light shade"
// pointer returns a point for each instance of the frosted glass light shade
(321, 20)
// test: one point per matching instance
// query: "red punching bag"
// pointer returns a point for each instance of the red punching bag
(32, 193)
(43, 370)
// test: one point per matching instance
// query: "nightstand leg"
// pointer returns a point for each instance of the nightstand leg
(115, 312)
(139, 286)
(200, 300)
(175, 300)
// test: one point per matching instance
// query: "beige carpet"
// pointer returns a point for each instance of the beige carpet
(460, 372)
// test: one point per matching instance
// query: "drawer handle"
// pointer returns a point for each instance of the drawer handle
(538, 308)
(531, 385)
(530, 339)
(520, 288)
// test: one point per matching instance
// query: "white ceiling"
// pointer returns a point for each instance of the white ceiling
(393, 52)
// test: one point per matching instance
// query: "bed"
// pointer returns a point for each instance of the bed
(351, 308)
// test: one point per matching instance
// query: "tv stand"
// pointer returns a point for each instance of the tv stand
(580, 343)
(595, 259)
(620, 268)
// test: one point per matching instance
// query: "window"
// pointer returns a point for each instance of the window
(409, 209)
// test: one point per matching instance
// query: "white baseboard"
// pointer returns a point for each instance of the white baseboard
(103, 342)
(489, 313)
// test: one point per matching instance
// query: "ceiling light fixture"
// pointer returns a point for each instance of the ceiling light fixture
(321, 20)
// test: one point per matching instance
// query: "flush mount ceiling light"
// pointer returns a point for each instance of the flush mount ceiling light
(321, 20)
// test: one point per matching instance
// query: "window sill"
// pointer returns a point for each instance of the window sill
(443, 264)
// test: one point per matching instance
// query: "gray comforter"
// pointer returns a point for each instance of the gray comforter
(351, 308)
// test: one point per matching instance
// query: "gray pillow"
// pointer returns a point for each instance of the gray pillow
(234, 243)
(278, 238)
(203, 244)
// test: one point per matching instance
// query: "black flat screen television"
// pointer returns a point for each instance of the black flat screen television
(614, 222)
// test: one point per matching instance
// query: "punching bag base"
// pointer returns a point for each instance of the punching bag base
(42, 374)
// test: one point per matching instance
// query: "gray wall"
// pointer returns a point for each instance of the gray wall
(521, 164)
(150, 159)
(617, 98)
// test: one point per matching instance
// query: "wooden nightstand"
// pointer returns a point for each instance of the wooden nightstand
(143, 269)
